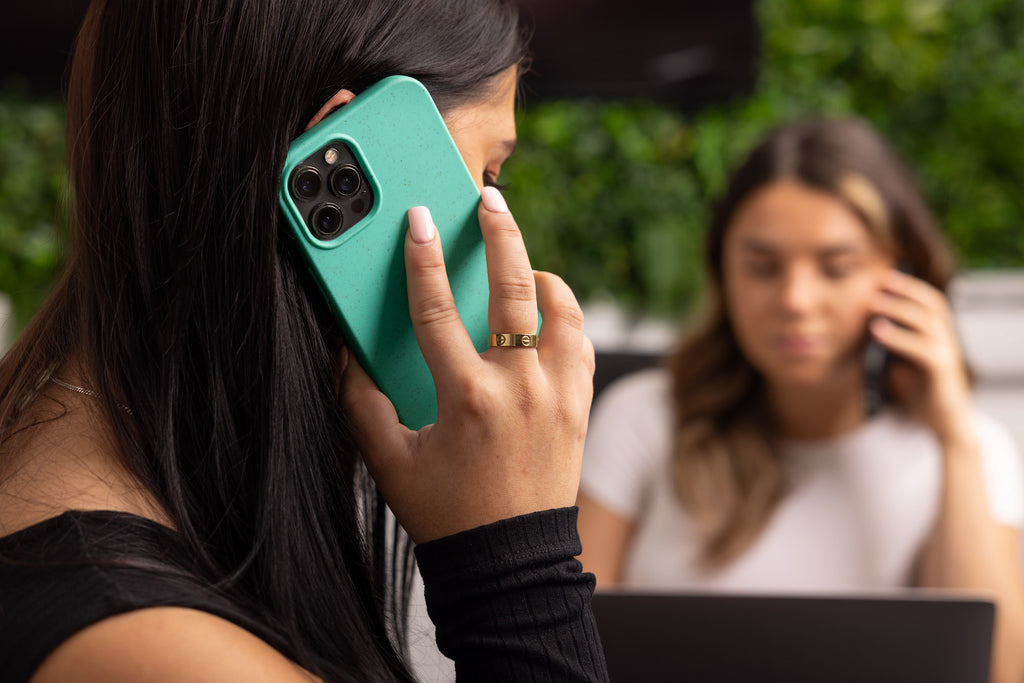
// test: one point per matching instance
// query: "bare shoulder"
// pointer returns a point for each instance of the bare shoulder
(66, 459)
(167, 645)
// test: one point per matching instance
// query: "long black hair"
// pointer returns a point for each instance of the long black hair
(183, 299)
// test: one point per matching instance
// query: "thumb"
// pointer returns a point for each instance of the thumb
(385, 442)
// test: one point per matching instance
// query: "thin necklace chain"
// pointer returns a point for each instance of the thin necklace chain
(86, 392)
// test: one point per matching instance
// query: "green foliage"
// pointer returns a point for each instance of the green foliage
(606, 198)
(32, 185)
(614, 196)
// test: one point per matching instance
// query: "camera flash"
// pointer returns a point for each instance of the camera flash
(331, 155)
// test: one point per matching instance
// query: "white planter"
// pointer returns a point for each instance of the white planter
(6, 313)
(612, 329)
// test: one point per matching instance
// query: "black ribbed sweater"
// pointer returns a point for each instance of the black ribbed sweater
(509, 600)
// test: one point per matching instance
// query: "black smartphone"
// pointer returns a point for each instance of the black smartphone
(876, 360)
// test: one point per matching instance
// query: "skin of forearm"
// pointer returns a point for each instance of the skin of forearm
(968, 550)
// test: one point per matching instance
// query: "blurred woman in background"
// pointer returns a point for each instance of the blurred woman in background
(815, 430)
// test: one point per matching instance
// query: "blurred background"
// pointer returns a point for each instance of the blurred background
(614, 193)
(631, 118)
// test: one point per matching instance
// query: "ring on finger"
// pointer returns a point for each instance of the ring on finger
(513, 340)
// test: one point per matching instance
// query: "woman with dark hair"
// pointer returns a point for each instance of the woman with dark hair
(182, 433)
(760, 459)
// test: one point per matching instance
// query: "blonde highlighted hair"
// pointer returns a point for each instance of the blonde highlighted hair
(727, 467)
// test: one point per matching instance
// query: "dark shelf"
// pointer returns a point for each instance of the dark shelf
(685, 52)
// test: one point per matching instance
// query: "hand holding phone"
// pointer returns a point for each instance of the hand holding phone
(509, 438)
(913, 323)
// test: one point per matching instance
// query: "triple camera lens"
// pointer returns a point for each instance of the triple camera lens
(345, 181)
(328, 188)
(306, 183)
(327, 221)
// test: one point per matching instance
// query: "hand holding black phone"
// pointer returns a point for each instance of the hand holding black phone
(876, 360)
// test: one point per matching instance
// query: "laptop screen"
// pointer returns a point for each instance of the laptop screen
(709, 637)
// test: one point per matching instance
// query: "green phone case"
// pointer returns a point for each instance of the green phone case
(409, 159)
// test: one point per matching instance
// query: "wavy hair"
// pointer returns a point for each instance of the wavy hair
(726, 462)
(185, 300)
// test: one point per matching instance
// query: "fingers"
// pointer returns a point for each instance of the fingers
(911, 287)
(384, 441)
(512, 306)
(902, 341)
(585, 381)
(589, 364)
(565, 352)
(439, 330)
(903, 312)
(509, 436)
(561, 333)
(915, 322)
(912, 302)
(914, 319)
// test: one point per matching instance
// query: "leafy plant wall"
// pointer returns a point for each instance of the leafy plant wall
(614, 195)
(32, 185)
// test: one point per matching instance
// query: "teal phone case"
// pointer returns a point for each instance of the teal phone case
(409, 159)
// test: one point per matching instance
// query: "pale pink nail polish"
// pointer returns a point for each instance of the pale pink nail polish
(421, 225)
(493, 200)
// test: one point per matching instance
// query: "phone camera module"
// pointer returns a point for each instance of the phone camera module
(345, 181)
(306, 183)
(327, 221)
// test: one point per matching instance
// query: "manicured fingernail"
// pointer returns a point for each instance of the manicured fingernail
(421, 225)
(493, 200)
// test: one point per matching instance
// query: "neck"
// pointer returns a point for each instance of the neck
(816, 412)
(67, 459)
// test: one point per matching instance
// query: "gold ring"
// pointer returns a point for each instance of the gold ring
(507, 339)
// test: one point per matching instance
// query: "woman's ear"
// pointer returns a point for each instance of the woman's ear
(342, 97)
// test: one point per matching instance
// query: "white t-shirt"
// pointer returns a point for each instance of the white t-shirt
(858, 511)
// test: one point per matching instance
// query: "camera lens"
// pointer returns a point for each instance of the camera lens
(306, 183)
(345, 181)
(327, 221)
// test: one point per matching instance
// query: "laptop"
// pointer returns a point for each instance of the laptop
(725, 638)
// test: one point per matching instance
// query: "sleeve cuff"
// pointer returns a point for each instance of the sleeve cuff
(526, 540)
